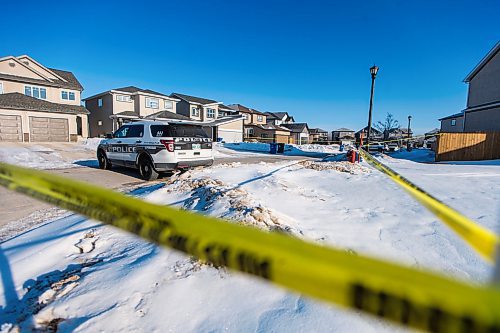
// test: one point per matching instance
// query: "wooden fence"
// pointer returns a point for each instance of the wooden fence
(468, 146)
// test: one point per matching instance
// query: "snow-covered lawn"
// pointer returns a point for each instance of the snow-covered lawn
(87, 277)
(290, 149)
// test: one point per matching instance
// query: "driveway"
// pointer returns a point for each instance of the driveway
(16, 206)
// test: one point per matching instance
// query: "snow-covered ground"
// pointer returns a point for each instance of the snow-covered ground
(80, 275)
(49, 155)
(290, 149)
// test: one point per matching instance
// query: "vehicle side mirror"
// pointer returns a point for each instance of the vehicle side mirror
(109, 135)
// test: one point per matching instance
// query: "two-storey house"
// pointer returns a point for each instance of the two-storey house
(251, 119)
(112, 108)
(343, 135)
(482, 113)
(299, 132)
(38, 103)
(317, 135)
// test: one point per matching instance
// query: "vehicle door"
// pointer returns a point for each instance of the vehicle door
(133, 138)
(115, 150)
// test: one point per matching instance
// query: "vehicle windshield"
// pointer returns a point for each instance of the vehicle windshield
(178, 131)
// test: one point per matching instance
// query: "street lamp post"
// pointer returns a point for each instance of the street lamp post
(409, 121)
(373, 72)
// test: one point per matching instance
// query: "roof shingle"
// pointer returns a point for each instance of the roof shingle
(19, 101)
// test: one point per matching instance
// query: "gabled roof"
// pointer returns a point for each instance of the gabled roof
(167, 115)
(271, 116)
(296, 127)
(280, 115)
(72, 82)
(224, 120)
(483, 62)
(194, 99)
(242, 108)
(373, 130)
(317, 130)
(126, 114)
(133, 89)
(18, 101)
(223, 107)
(270, 127)
(456, 115)
(343, 129)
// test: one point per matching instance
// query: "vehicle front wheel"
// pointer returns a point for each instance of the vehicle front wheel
(146, 169)
(104, 163)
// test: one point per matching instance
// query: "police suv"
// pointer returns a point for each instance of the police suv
(154, 147)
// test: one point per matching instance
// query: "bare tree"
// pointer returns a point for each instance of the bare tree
(388, 125)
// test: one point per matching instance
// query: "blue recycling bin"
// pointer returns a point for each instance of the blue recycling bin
(273, 148)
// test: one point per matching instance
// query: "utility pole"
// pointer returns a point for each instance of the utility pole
(373, 72)
(409, 121)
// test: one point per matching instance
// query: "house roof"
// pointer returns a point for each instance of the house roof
(54, 83)
(373, 130)
(72, 83)
(167, 115)
(483, 62)
(317, 130)
(433, 131)
(225, 108)
(456, 115)
(226, 119)
(280, 115)
(242, 108)
(126, 114)
(343, 129)
(18, 101)
(133, 89)
(271, 116)
(296, 127)
(194, 99)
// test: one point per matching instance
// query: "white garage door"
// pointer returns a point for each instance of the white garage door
(10, 128)
(230, 136)
(49, 129)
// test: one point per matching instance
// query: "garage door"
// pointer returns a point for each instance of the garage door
(49, 129)
(10, 128)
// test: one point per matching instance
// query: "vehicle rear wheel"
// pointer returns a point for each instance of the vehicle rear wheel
(147, 170)
(104, 163)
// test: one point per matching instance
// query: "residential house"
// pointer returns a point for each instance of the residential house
(343, 136)
(270, 133)
(317, 135)
(483, 99)
(482, 113)
(299, 132)
(112, 108)
(453, 123)
(225, 124)
(399, 133)
(279, 118)
(251, 117)
(375, 134)
(38, 103)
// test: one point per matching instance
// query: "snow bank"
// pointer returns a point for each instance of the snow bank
(78, 275)
(417, 155)
(91, 143)
(312, 150)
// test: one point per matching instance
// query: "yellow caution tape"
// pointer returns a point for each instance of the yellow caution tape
(408, 296)
(479, 238)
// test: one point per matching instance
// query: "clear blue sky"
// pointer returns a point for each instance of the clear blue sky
(309, 58)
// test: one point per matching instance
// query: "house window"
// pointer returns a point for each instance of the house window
(169, 105)
(250, 131)
(152, 103)
(99, 123)
(195, 112)
(210, 113)
(123, 98)
(1, 88)
(260, 118)
(453, 122)
(264, 135)
(36, 92)
(64, 94)
(99, 102)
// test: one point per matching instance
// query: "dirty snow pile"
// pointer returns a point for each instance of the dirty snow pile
(74, 274)
(343, 166)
